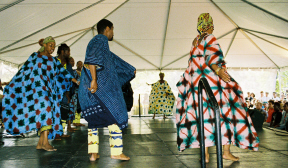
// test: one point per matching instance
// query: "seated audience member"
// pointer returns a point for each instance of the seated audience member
(248, 96)
(276, 116)
(258, 116)
(270, 110)
(284, 118)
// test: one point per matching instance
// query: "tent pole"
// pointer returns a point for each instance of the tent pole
(272, 14)
(189, 52)
(244, 33)
(231, 43)
(37, 42)
(71, 38)
(258, 47)
(165, 34)
(59, 21)
(265, 40)
(134, 53)
(273, 35)
(80, 37)
(10, 5)
(113, 11)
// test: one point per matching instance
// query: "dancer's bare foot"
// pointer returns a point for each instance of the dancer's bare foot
(229, 156)
(75, 124)
(79, 124)
(94, 157)
(38, 147)
(120, 157)
(48, 148)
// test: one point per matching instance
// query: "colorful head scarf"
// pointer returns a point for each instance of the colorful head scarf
(46, 40)
(205, 22)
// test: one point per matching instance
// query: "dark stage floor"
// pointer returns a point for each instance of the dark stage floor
(149, 143)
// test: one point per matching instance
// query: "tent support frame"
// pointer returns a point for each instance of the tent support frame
(189, 52)
(231, 43)
(10, 5)
(59, 21)
(244, 33)
(272, 14)
(165, 34)
(122, 45)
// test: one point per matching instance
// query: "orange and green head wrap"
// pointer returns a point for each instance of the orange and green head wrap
(205, 22)
(45, 41)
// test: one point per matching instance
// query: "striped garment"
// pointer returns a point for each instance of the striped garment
(236, 124)
(107, 105)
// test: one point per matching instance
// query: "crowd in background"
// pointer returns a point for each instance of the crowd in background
(270, 111)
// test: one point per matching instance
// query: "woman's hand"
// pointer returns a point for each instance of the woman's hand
(93, 86)
(222, 73)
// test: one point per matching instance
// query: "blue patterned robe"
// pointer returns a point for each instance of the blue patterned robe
(32, 99)
(107, 105)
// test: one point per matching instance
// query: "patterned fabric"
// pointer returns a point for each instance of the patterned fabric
(93, 141)
(115, 140)
(159, 103)
(32, 99)
(107, 105)
(236, 124)
(45, 41)
(205, 22)
(68, 108)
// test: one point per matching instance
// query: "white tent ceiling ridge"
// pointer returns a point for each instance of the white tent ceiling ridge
(272, 35)
(165, 34)
(10, 5)
(266, 40)
(270, 13)
(59, 21)
(243, 32)
(113, 11)
(179, 58)
(81, 37)
(122, 45)
(82, 32)
(17, 48)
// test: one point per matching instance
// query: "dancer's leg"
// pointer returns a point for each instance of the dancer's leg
(40, 142)
(93, 144)
(46, 146)
(227, 154)
(116, 144)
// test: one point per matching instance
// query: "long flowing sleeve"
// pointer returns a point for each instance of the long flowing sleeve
(96, 51)
(212, 51)
(124, 70)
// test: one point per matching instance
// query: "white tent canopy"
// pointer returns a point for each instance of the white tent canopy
(149, 34)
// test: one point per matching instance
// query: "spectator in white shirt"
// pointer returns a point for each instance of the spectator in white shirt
(275, 98)
(262, 97)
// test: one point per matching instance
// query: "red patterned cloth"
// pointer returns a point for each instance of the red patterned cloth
(236, 124)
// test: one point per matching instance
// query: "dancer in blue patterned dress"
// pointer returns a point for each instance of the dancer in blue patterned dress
(32, 99)
(101, 97)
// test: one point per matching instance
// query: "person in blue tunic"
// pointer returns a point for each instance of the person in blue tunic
(32, 98)
(101, 97)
